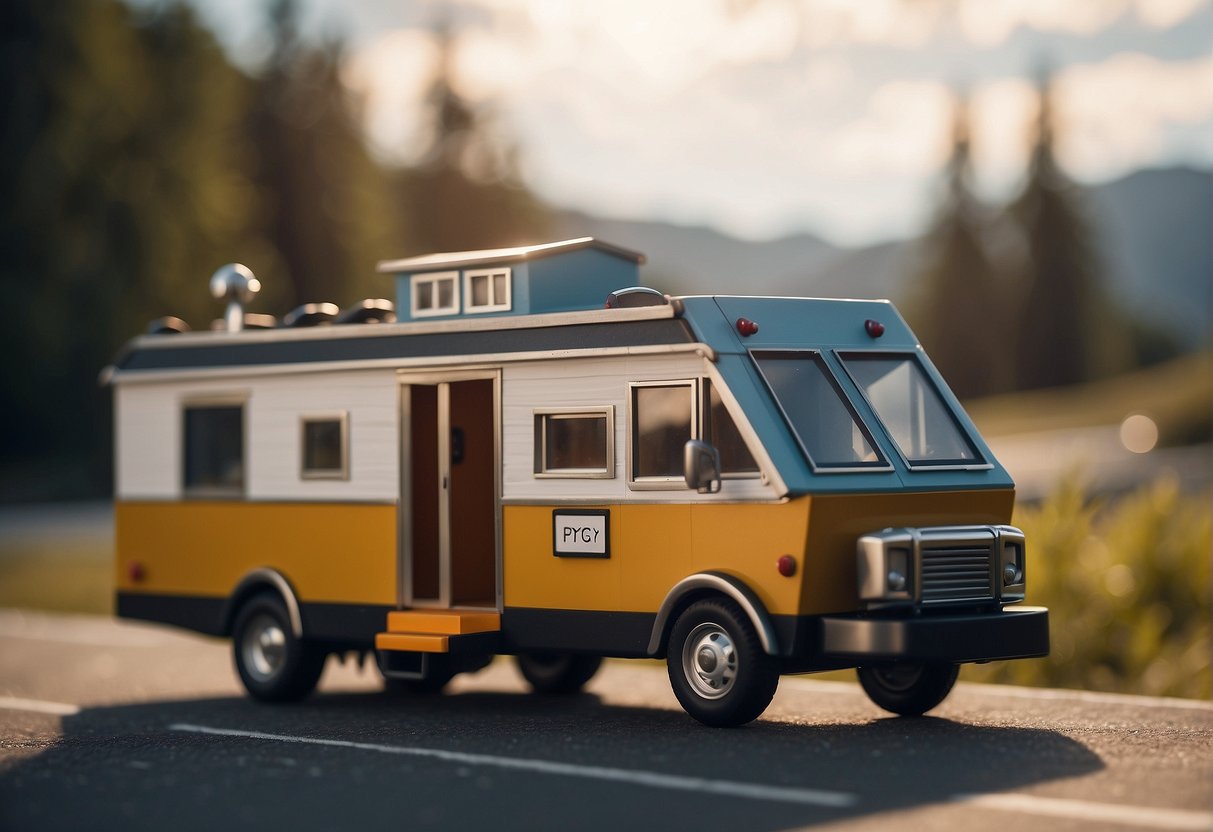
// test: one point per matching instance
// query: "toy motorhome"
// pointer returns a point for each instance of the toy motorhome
(528, 456)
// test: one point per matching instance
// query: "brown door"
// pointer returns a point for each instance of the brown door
(449, 517)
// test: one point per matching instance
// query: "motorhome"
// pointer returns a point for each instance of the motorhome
(528, 455)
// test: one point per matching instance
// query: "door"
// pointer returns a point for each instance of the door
(449, 517)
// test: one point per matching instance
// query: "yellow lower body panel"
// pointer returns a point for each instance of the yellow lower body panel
(330, 552)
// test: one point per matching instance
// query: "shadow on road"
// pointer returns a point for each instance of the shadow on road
(123, 767)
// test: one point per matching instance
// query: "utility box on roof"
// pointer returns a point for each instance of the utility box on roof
(553, 277)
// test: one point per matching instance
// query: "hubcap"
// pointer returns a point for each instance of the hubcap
(263, 648)
(709, 661)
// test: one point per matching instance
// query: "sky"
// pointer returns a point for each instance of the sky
(769, 117)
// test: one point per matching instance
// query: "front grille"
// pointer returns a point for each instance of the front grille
(952, 573)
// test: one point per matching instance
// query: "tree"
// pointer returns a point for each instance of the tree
(1067, 329)
(325, 206)
(956, 311)
(466, 192)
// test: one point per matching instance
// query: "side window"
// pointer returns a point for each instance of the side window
(575, 443)
(486, 290)
(213, 450)
(662, 421)
(721, 431)
(325, 447)
(435, 294)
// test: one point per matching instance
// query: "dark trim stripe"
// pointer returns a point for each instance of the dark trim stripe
(619, 634)
(431, 345)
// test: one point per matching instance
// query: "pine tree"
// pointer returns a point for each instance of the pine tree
(956, 309)
(1066, 327)
(466, 192)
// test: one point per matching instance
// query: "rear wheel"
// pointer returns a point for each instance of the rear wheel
(273, 664)
(718, 669)
(908, 688)
(558, 672)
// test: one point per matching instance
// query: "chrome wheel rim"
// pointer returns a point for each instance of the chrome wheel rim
(709, 661)
(263, 647)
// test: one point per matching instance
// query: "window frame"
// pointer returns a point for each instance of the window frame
(434, 278)
(342, 417)
(882, 464)
(706, 386)
(214, 402)
(495, 304)
(541, 417)
(678, 483)
(980, 462)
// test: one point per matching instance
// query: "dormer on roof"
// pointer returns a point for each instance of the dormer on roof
(525, 280)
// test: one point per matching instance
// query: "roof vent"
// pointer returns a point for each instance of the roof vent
(311, 314)
(168, 325)
(635, 296)
(235, 284)
(369, 311)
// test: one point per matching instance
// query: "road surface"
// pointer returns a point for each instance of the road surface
(109, 725)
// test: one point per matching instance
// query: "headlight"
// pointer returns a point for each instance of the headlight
(1011, 563)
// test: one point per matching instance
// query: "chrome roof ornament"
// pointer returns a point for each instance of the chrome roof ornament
(236, 284)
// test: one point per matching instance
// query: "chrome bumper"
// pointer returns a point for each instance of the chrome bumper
(1012, 633)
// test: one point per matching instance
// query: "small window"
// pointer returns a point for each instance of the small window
(577, 443)
(662, 422)
(435, 294)
(721, 431)
(325, 447)
(213, 450)
(487, 290)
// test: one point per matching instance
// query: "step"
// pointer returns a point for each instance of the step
(412, 642)
(442, 622)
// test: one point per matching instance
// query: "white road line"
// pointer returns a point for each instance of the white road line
(651, 779)
(1053, 807)
(38, 706)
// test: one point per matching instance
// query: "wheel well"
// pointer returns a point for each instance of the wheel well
(258, 582)
(711, 585)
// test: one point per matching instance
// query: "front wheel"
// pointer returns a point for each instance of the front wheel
(718, 669)
(558, 672)
(908, 688)
(273, 664)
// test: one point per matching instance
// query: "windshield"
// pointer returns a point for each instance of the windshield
(828, 431)
(911, 409)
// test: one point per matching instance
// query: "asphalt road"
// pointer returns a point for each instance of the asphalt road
(108, 725)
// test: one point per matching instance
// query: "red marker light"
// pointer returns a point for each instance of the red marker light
(787, 566)
(746, 327)
(874, 328)
(136, 572)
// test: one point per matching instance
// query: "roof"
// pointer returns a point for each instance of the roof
(504, 255)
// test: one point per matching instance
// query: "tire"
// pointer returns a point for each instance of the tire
(273, 664)
(718, 669)
(908, 688)
(557, 672)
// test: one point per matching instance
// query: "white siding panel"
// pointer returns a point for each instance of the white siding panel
(147, 453)
(149, 434)
(590, 383)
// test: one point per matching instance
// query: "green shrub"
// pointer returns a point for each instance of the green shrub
(1127, 583)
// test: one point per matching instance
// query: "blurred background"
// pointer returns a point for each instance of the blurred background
(1029, 180)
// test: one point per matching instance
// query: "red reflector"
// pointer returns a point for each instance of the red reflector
(136, 571)
(787, 566)
(746, 327)
(874, 328)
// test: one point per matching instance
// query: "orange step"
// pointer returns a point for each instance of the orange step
(412, 642)
(442, 622)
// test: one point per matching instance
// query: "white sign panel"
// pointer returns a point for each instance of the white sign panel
(581, 533)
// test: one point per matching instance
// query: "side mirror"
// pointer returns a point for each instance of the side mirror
(701, 466)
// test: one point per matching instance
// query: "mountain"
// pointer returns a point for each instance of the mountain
(1153, 230)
